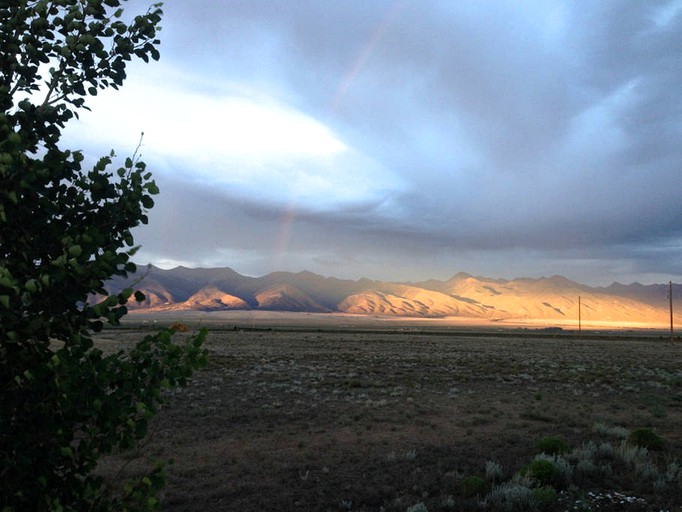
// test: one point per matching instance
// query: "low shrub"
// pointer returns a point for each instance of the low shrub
(646, 438)
(543, 471)
(510, 497)
(553, 446)
(611, 430)
(493, 471)
(564, 469)
(544, 497)
(472, 485)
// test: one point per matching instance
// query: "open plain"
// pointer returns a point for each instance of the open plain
(387, 417)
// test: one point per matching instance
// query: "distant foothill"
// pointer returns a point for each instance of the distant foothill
(464, 296)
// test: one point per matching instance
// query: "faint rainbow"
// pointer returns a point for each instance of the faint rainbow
(370, 46)
(284, 233)
(366, 51)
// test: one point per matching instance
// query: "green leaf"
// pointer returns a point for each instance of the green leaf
(75, 251)
(66, 231)
(147, 202)
(110, 301)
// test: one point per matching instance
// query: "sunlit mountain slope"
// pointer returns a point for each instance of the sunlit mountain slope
(554, 298)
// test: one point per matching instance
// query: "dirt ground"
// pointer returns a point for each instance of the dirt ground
(333, 420)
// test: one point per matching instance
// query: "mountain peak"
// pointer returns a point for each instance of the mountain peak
(463, 295)
(460, 275)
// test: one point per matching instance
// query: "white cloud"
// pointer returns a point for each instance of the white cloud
(249, 144)
(177, 120)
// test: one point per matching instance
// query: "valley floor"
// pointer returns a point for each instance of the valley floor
(319, 420)
(329, 321)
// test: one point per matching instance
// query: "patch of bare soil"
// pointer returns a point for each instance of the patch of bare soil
(333, 421)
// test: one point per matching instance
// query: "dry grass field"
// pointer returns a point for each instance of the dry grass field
(413, 420)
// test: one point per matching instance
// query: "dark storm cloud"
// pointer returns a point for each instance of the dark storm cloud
(549, 129)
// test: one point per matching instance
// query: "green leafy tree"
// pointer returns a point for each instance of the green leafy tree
(64, 231)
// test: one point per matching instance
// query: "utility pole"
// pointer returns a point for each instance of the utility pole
(670, 296)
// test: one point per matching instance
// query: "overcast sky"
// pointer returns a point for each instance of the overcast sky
(409, 139)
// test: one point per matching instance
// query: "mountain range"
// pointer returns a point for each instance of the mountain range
(463, 295)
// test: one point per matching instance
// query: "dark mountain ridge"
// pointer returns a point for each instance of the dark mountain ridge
(463, 295)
